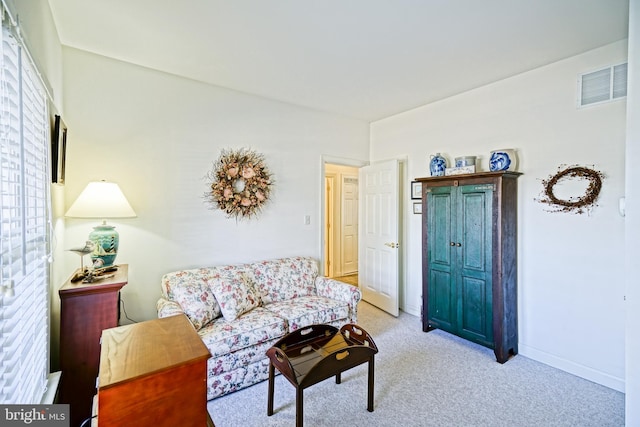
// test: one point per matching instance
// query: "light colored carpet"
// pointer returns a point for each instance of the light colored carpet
(430, 379)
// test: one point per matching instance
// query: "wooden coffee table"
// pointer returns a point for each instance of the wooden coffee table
(314, 353)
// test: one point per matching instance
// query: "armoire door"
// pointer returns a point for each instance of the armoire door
(442, 260)
(459, 247)
(473, 246)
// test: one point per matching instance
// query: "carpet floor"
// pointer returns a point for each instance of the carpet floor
(430, 379)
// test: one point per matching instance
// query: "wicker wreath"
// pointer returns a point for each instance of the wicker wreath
(573, 204)
(240, 183)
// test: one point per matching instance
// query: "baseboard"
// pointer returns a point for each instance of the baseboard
(411, 309)
(581, 371)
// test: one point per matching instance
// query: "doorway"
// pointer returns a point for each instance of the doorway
(341, 222)
(362, 226)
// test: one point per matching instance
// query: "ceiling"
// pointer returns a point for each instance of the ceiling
(367, 59)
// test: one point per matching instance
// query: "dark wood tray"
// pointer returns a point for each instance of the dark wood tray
(317, 352)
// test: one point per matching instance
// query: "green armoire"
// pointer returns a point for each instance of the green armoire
(469, 258)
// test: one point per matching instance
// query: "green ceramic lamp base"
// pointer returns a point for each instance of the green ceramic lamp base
(106, 240)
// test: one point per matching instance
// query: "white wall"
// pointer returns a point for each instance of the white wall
(632, 219)
(158, 135)
(571, 267)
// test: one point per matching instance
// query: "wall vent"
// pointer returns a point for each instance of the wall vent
(602, 85)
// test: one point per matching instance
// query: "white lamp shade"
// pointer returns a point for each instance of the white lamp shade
(101, 200)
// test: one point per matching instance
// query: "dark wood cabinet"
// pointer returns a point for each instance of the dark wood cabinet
(86, 309)
(469, 258)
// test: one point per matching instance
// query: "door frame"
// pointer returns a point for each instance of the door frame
(405, 216)
(341, 161)
(328, 222)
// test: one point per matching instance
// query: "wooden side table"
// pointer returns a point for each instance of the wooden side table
(153, 374)
(85, 310)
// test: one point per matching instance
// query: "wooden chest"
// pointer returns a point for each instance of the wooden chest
(153, 373)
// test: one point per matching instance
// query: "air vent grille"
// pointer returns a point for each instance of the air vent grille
(619, 81)
(602, 85)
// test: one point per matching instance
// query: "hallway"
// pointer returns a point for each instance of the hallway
(351, 279)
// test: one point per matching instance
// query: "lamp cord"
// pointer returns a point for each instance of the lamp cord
(87, 420)
(125, 312)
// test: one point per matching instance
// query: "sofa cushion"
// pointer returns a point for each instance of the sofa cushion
(284, 279)
(190, 289)
(309, 310)
(227, 382)
(234, 294)
(243, 357)
(259, 325)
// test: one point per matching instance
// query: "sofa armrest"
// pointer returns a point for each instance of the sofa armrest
(168, 308)
(340, 291)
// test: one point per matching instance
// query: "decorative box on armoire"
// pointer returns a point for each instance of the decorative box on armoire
(469, 258)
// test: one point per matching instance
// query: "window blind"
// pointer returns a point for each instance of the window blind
(24, 219)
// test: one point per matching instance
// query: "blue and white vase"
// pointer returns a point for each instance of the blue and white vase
(437, 165)
(465, 161)
(503, 160)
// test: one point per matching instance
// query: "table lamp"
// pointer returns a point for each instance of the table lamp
(101, 199)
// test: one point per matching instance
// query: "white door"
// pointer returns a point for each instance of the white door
(349, 234)
(379, 230)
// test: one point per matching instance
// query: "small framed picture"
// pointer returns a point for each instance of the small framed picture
(58, 151)
(417, 207)
(416, 190)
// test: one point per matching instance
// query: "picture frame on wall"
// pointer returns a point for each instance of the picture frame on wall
(416, 190)
(58, 150)
(417, 208)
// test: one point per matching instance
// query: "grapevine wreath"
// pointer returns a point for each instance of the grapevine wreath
(577, 204)
(240, 183)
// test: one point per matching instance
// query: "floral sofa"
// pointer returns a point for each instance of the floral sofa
(239, 311)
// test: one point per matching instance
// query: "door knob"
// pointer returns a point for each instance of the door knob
(392, 245)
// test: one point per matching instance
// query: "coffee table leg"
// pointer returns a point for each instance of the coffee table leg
(270, 393)
(299, 396)
(370, 391)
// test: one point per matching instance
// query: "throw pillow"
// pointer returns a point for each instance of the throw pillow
(191, 290)
(234, 293)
